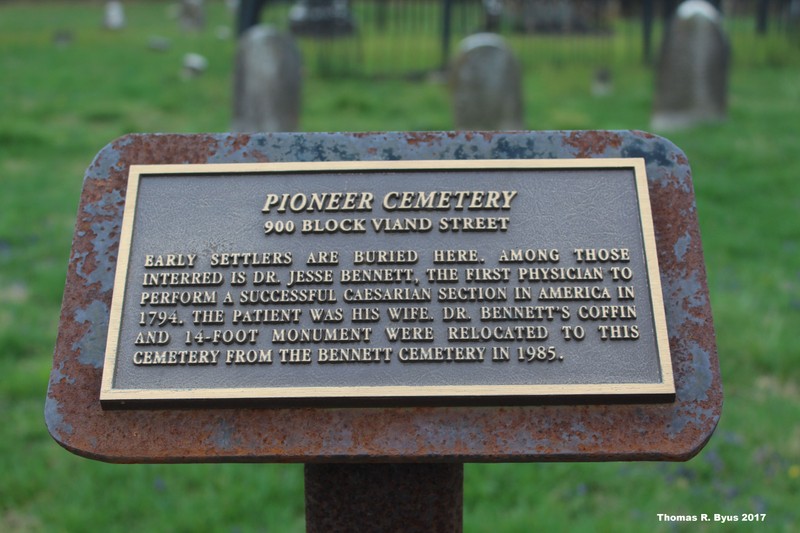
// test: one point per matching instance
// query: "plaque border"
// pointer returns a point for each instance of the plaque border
(664, 389)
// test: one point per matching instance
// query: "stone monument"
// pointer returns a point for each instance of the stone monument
(692, 72)
(192, 15)
(267, 82)
(114, 15)
(194, 65)
(486, 85)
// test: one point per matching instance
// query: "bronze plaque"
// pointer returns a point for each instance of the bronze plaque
(397, 281)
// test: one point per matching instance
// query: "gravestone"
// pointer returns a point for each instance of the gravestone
(267, 81)
(63, 38)
(192, 15)
(486, 85)
(157, 43)
(114, 15)
(692, 72)
(223, 33)
(602, 82)
(194, 65)
(136, 283)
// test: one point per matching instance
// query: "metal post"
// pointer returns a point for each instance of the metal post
(248, 15)
(412, 497)
(447, 15)
(762, 17)
(647, 31)
(382, 14)
(668, 10)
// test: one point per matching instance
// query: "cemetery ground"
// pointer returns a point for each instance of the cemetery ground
(61, 103)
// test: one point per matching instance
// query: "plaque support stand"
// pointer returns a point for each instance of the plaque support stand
(352, 483)
(384, 497)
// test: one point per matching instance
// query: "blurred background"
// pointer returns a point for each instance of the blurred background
(75, 76)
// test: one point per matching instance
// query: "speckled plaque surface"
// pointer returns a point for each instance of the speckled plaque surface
(471, 279)
(674, 429)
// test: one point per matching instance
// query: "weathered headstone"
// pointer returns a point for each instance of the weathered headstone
(223, 33)
(602, 82)
(157, 43)
(692, 74)
(194, 65)
(114, 15)
(267, 81)
(63, 38)
(192, 15)
(486, 85)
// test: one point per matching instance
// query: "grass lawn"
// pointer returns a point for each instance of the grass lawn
(60, 104)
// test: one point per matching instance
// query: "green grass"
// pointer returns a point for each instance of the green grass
(59, 106)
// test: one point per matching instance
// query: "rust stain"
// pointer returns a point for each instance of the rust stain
(416, 138)
(235, 143)
(644, 134)
(421, 137)
(589, 143)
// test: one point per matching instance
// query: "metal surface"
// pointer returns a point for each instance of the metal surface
(673, 431)
(413, 498)
(585, 286)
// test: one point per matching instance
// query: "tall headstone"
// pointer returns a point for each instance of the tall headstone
(486, 85)
(692, 74)
(114, 15)
(192, 15)
(63, 38)
(602, 82)
(267, 81)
